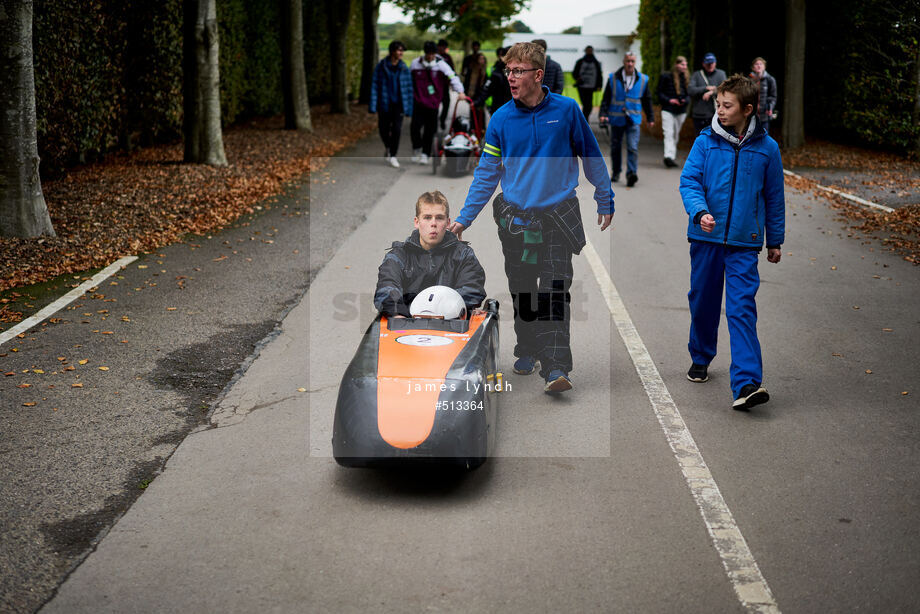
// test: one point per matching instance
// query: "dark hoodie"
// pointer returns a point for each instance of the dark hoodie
(408, 268)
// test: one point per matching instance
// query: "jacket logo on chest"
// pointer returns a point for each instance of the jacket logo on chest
(553, 121)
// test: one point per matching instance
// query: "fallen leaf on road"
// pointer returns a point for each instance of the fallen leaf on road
(62, 358)
(39, 371)
(833, 268)
(10, 373)
(77, 385)
(103, 368)
(29, 404)
(855, 306)
(84, 361)
(905, 393)
(224, 257)
(24, 386)
(868, 371)
(887, 330)
(301, 390)
(70, 368)
(171, 308)
(142, 266)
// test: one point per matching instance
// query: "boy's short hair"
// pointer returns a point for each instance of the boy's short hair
(432, 198)
(540, 42)
(443, 43)
(528, 53)
(396, 45)
(743, 88)
(759, 59)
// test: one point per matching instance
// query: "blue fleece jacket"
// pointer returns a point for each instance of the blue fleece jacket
(532, 152)
(739, 182)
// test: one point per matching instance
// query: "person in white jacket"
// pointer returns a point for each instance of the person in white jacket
(430, 78)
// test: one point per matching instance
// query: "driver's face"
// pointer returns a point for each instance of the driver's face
(432, 223)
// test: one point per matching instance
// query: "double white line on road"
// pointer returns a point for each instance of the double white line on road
(739, 563)
(68, 298)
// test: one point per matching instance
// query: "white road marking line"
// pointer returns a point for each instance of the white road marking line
(739, 563)
(65, 300)
(855, 199)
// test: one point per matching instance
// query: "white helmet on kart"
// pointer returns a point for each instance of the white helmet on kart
(438, 302)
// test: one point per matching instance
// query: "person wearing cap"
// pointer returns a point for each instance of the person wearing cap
(553, 77)
(430, 77)
(702, 90)
(589, 78)
(431, 256)
(626, 96)
(391, 99)
(532, 148)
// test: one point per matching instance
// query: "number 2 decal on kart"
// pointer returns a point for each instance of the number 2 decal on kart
(424, 340)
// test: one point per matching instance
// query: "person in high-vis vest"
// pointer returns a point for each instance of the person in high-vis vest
(626, 96)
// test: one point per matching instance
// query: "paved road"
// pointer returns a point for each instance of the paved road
(585, 506)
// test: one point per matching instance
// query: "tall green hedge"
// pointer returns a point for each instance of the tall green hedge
(676, 14)
(316, 50)
(108, 73)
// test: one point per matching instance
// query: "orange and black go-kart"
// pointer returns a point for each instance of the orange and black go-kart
(421, 391)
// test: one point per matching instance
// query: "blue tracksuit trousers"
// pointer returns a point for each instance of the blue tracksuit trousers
(711, 264)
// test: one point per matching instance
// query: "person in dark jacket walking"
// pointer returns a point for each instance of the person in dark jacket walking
(431, 256)
(673, 96)
(430, 78)
(703, 84)
(391, 98)
(553, 77)
(626, 96)
(444, 52)
(732, 189)
(766, 103)
(589, 78)
(496, 86)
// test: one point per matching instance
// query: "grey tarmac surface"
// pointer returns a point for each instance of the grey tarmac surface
(253, 515)
(74, 462)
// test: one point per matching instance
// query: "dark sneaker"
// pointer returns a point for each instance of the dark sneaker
(525, 365)
(698, 373)
(557, 381)
(751, 395)
(670, 163)
(631, 179)
(614, 177)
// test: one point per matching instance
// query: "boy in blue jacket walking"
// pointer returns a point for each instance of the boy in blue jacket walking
(732, 189)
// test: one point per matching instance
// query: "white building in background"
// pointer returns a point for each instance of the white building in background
(608, 32)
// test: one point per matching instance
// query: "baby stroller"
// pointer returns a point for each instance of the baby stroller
(462, 144)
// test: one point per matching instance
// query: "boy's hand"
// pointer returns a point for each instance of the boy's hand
(707, 223)
(604, 220)
(774, 254)
(457, 228)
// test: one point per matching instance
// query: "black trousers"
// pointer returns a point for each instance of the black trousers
(586, 95)
(699, 123)
(423, 127)
(541, 298)
(390, 124)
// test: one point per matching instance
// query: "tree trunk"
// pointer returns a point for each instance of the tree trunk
(370, 12)
(793, 111)
(204, 142)
(663, 42)
(339, 14)
(917, 101)
(293, 75)
(23, 212)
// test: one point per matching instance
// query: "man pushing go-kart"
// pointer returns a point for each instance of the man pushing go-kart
(531, 148)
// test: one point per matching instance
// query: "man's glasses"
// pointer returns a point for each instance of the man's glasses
(517, 72)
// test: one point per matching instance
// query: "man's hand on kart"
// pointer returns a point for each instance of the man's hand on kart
(604, 220)
(457, 228)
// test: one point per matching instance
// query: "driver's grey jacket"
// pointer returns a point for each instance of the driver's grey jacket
(408, 268)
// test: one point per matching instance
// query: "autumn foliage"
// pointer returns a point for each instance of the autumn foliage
(138, 202)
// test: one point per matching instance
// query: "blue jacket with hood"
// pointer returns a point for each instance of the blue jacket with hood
(534, 154)
(739, 182)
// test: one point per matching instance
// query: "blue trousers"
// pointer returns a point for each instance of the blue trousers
(711, 265)
(632, 147)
